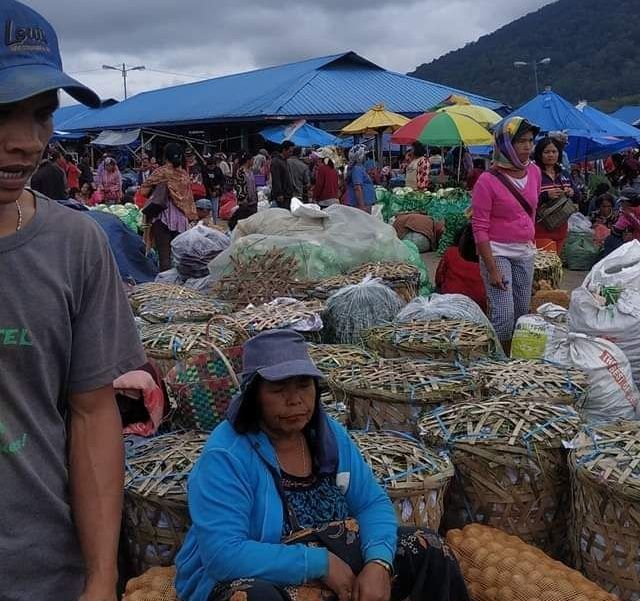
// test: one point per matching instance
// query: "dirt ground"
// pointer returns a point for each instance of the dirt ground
(570, 279)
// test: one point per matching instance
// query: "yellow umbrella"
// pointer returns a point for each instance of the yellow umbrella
(375, 120)
(484, 116)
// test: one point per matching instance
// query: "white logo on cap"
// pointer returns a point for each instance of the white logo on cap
(24, 37)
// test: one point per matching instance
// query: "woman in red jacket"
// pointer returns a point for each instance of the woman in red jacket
(326, 190)
(454, 275)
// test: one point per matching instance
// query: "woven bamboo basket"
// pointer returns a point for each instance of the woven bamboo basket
(156, 517)
(403, 278)
(163, 310)
(335, 409)
(444, 339)
(414, 477)
(511, 468)
(548, 268)
(605, 478)
(167, 343)
(257, 280)
(391, 394)
(200, 388)
(272, 316)
(532, 380)
(328, 357)
(157, 290)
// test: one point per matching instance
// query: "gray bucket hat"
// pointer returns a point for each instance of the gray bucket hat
(277, 355)
(274, 355)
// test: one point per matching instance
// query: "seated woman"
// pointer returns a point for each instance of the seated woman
(455, 275)
(627, 225)
(604, 213)
(285, 508)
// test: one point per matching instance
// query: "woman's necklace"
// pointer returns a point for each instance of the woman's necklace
(303, 455)
(19, 226)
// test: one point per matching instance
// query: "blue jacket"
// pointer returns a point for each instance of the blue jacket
(237, 513)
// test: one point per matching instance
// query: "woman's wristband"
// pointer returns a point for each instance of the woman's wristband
(387, 566)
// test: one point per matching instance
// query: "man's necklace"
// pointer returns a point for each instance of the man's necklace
(19, 226)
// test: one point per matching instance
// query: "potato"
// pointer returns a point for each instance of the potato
(505, 594)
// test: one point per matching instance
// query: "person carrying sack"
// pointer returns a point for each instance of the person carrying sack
(170, 207)
(504, 202)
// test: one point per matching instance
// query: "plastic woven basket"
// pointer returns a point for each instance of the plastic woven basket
(200, 388)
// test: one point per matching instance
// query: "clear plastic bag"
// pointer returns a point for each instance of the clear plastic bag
(356, 308)
(340, 241)
(619, 269)
(192, 250)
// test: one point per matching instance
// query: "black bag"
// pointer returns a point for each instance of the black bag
(467, 244)
(158, 202)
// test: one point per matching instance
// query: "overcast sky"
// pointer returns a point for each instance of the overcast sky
(205, 38)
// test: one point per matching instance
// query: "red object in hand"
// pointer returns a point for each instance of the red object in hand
(140, 200)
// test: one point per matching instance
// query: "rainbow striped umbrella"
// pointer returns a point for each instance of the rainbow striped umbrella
(443, 129)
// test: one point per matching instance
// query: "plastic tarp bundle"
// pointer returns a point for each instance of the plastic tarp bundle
(580, 252)
(579, 223)
(357, 307)
(128, 249)
(619, 323)
(612, 394)
(192, 250)
(619, 269)
(332, 243)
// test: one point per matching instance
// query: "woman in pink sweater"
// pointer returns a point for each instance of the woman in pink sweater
(504, 202)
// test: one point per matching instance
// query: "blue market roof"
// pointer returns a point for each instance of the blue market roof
(628, 114)
(341, 86)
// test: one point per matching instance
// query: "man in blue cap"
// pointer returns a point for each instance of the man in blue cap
(66, 332)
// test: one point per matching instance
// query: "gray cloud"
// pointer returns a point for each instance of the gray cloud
(205, 37)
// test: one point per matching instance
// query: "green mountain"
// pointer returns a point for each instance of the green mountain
(594, 47)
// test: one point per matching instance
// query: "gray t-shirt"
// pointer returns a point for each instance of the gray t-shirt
(65, 327)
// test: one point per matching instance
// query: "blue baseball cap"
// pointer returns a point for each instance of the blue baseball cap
(30, 62)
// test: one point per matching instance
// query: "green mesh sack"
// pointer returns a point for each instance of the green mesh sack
(579, 252)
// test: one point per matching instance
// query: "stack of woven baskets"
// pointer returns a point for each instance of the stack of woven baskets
(425, 400)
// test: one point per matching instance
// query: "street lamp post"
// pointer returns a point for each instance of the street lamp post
(534, 64)
(124, 70)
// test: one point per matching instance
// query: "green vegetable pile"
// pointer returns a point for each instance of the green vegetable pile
(128, 213)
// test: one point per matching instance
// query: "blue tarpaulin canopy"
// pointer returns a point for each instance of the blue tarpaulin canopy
(613, 127)
(588, 138)
(301, 134)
